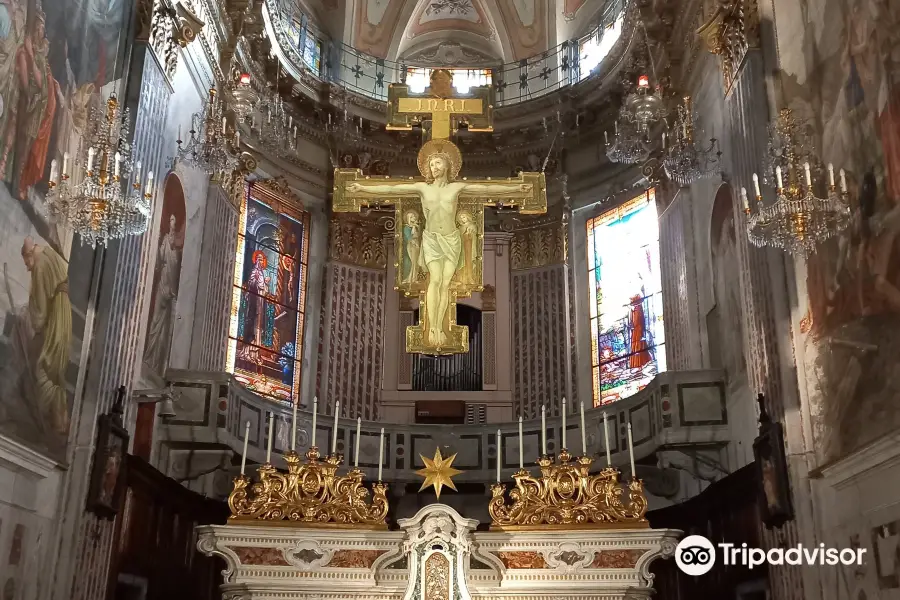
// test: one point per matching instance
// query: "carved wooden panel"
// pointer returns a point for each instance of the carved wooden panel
(489, 350)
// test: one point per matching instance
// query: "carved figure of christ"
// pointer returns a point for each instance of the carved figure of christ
(441, 240)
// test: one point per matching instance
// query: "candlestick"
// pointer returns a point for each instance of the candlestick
(380, 453)
(118, 164)
(778, 176)
(137, 175)
(631, 452)
(583, 433)
(664, 140)
(843, 181)
(808, 174)
(756, 185)
(65, 170)
(53, 167)
(294, 425)
(224, 124)
(616, 127)
(521, 446)
(606, 441)
(178, 139)
(499, 453)
(543, 430)
(244, 455)
(564, 422)
(356, 450)
(831, 175)
(744, 199)
(90, 160)
(269, 445)
(606, 137)
(149, 189)
(237, 139)
(334, 431)
(312, 443)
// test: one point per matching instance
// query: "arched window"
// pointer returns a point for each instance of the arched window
(267, 307)
(626, 311)
(456, 372)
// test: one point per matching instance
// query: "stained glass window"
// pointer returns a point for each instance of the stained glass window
(626, 313)
(269, 295)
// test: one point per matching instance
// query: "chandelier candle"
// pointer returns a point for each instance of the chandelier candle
(499, 453)
(312, 443)
(149, 191)
(334, 431)
(843, 181)
(778, 177)
(563, 410)
(269, 446)
(380, 453)
(521, 447)
(744, 200)
(244, 455)
(756, 185)
(606, 441)
(831, 175)
(543, 430)
(631, 452)
(583, 433)
(808, 175)
(356, 450)
(65, 170)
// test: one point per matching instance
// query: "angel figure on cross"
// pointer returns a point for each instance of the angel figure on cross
(441, 246)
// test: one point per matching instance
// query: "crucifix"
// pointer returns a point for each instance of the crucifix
(439, 227)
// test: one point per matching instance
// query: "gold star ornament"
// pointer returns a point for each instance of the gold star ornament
(438, 472)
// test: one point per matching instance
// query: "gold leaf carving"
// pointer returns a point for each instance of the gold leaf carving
(538, 247)
(357, 242)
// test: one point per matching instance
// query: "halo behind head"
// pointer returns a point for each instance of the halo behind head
(444, 148)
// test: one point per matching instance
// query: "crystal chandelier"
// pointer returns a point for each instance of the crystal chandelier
(275, 130)
(91, 200)
(244, 98)
(213, 147)
(798, 220)
(685, 160)
(628, 146)
(644, 106)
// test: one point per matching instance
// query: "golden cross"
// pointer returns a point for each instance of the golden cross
(439, 103)
(439, 234)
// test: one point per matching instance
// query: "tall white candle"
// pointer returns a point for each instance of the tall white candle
(137, 175)
(356, 450)
(237, 139)
(756, 185)
(149, 189)
(583, 433)
(312, 443)
(778, 177)
(606, 441)
(90, 160)
(564, 407)
(334, 430)
(831, 174)
(294, 425)
(631, 452)
(53, 170)
(843, 181)
(246, 440)
(499, 454)
(521, 446)
(380, 453)
(664, 140)
(224, 124)
(269, 445)
(118, 164)
(543, 430)
(606, 137)
(65, 170)
(744, 199)
(808, 174)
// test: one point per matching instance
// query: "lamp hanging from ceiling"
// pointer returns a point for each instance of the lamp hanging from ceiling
(90, 200)
(798, 221)
(244, 98)
(213, 146)
(686, 160)
(274, 129)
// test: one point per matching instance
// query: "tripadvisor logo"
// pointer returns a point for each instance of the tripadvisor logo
(696, 555)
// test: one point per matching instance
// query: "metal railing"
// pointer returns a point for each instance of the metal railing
(311, 52)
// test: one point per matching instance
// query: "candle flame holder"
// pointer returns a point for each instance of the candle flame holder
(309, 494)
(568, 496)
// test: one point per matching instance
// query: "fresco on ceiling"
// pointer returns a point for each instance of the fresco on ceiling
(850, 327)
(441, 15)
(526, 22)
(375, 23)
(571, 8)
(166, 277)
(58, 59)
(725, 322)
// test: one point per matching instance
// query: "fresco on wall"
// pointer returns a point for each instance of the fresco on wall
(729, 326)
(851, 326)
(166, 277)
(374, 25)
(55, 57)
(526, 23)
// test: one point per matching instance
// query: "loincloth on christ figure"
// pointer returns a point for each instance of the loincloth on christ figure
(438, 246)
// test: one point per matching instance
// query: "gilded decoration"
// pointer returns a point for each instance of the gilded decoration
(522, 560)
(437, 577)
(538, 247)
(568, 496)
(616, 559)
(356, 241)
(270, 557)
(438, 472)
(309, 494)
(355, 559)
(489, 298)
(730, 32)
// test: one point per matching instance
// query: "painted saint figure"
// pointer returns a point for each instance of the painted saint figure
(162, 324)
(640, 355)
(441, 240)
(469, 233)
(255, 318)
(412, 240)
